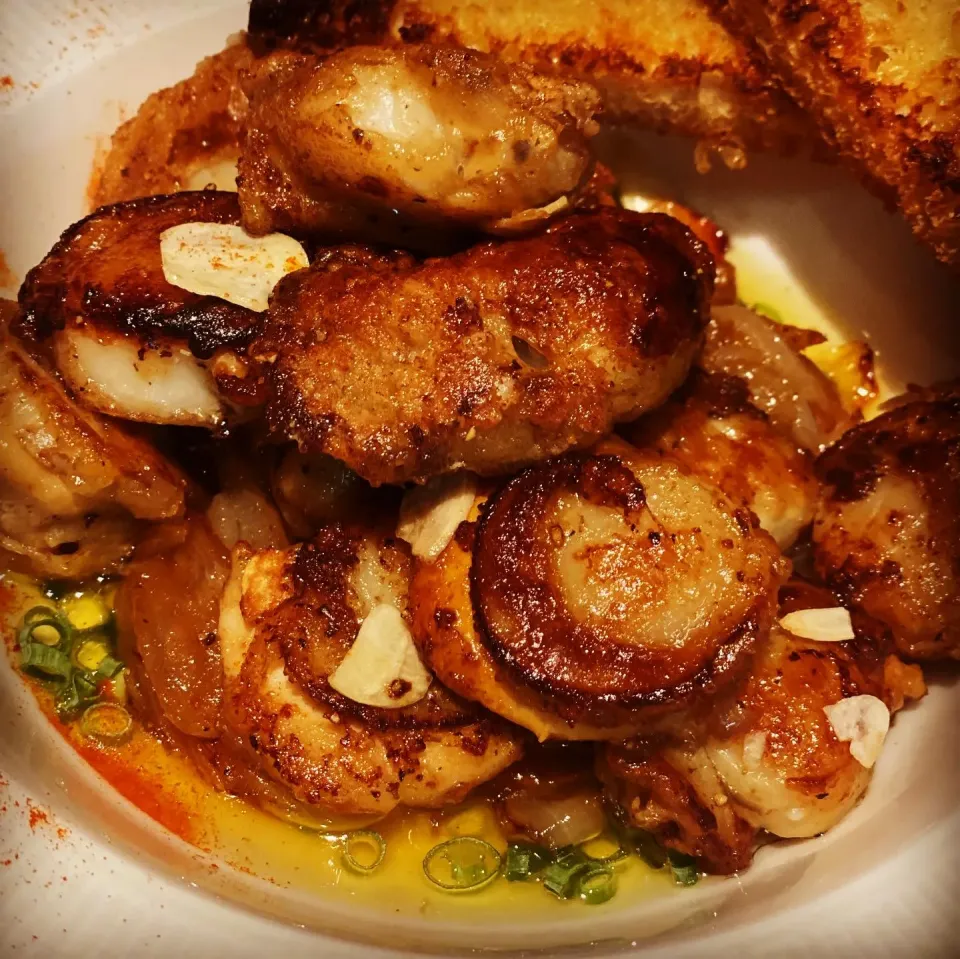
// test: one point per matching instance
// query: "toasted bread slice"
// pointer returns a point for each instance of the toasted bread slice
(662, 63)
(882, 80)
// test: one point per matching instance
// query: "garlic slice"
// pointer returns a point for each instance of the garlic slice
(754, 745)
(862, 721)
(430, 514)
(831, 625)
(220, 259)
(382, 668)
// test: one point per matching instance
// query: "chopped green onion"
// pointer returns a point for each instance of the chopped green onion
(597, 884)
(44, 626)
(524, 860)
(45, 661)
(464, 864)
(561, 877)
(77, 693)
(107, 723)
(107, 669)
(645, 845)
(363, 850)
(684, 867)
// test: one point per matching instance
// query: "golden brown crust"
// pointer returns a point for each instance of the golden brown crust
(882, 80)
(774, 746)
(73, 485)
(107, 270)
(711, 427)
(887, 532)
(564, 609)
(767, 756)
(490, 359)
(314, 646)
(524, 614)
(179, 133)
(664, 65)
(341, 763)
(414, 146)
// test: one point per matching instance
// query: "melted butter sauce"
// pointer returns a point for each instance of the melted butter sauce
(165, 786)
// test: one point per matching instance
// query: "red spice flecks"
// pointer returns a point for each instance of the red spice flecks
(38, 816)
(6, 81)
(41, 817)
(142, 790)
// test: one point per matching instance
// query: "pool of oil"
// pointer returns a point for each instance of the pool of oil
(164, 785)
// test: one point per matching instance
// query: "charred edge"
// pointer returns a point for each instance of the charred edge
(317, 25)
(730, 657)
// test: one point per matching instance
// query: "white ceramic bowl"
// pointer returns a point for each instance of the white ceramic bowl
(112, 883)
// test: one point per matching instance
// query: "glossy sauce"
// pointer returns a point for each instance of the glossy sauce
(165, 786)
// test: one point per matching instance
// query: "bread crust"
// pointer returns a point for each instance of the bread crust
(882, 83)
(663, 64)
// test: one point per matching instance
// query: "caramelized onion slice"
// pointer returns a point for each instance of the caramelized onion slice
(800, 400)
(169, 605)
(618, 581)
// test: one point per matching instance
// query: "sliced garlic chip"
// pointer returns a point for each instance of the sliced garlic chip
(220, 259)
(832, 625)
(862, 721)
(382, 667)
(430, 514)
(754, 745)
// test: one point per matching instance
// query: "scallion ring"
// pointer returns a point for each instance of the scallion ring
(44, 626)
(106, 722)
(46, 661)
(77, 693)
(363, 850)
(107, 668)
(524, 860)
(684, 868)
(596, 884)
(561, 877)
(464, 864)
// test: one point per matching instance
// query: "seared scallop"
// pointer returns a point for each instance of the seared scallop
(126, 340)
(712, 428)
(406, 145)
(790, 752)
(778, 749)
(491, 359)
(289, 622)
(76, 490)
(887, 531)
(594, 593)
